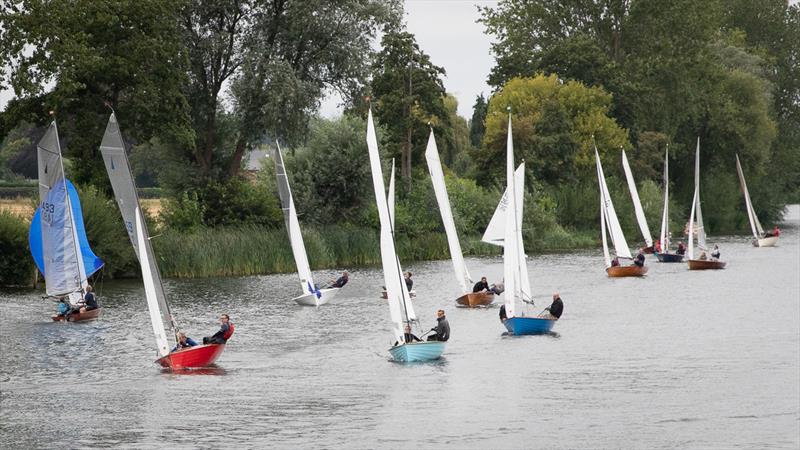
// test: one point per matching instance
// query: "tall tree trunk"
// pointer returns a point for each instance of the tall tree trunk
(236, 159)
(406, 160)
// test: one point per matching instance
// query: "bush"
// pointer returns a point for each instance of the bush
(16, 264)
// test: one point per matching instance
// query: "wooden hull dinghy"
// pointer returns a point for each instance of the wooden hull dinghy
(705, 264)
(475, 299)
(418, 351)
(326, 295)
(197, 356)
(626, 271)
(765, 242)
(519, 326)
(79, 317)
(669, 257)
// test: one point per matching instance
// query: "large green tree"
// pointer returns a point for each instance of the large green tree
(70, 57)
(408, 98)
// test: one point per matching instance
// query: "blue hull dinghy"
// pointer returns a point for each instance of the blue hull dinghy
(519, 326)
(418, 351)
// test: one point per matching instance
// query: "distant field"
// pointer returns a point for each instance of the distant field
(24, 206)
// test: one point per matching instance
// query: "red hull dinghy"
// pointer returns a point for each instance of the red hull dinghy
(192, 357)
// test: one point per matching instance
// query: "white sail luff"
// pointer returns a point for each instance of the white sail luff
(617, 237)
(440, 190)
(637, 204)
(751, 214)
(293, 225)
(691, 224)
(701, 229)
(665, 216)
(150, 290)
(510, 248)
(398, 298)
(390, 196)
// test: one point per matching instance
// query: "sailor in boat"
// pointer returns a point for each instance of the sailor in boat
(341, 281)
(183, 342)
(681, 248)
(615, 262)
(774, 233)
(703, 256)
(442, 328)
(498, 288)
(715, 253)
(409, 281)
(554, 311)
(63, 308)
(639, 259)
(225, 331)
(503, 315)
(480, 286)
(89, 300)
(408, 336)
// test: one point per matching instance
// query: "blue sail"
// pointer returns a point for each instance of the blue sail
(90, 261)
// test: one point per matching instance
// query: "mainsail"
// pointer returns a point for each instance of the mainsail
(755, 225)
(440, 189)
(64, 269)
(701, 229)
(293, 226)
(119, 173)
(400, 308)
(637, 204)
(665, 217)
(609, 216)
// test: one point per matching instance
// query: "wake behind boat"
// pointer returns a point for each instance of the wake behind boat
(119, 173)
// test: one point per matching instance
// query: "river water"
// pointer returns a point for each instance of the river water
(677, 359)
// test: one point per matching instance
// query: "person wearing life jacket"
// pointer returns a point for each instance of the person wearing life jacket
(183, 342)
(225, 331)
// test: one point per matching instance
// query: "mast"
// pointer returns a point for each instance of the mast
(510, 259)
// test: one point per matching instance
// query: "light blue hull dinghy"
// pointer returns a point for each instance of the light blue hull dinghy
(418, 351)
(519, 326)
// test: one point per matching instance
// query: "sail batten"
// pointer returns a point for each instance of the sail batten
(637, 204)
(440, 190)
(293, 224)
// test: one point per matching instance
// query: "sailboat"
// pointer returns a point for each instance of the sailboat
(759, 237)
(608, 217)
(515, 270)
(57, 236)
(637, 205)
(664, 255)
(312, 295)
(400, 307)
(702, 263)
(390, 200)
(119, 173)
(463, 278)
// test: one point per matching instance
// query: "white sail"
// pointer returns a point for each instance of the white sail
(755, 225)
(400, 307)
(665, 217)
(293, 225)
(440, 189)
(701, 229)
(495, 231)
(150, 289)
(606, 255)
(637, 204)
(390, 196)
(64, 269)
(691, 224)
(524, 284)
(510, 247)
(617, 237)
